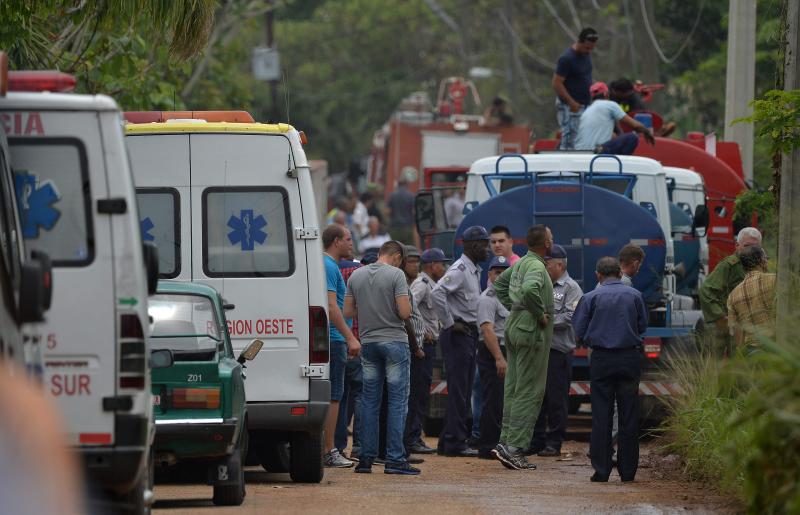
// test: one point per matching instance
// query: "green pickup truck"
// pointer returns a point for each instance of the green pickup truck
(199, 401)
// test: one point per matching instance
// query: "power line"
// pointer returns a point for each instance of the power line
(650, 33)
(559, 20)
(574, 12)
(525, 48)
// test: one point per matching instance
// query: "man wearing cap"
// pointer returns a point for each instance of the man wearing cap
(551, 426)
(433, 267)
(571, 83)
(455, 299)
(597, 126)
(491, 358)
(527, 291)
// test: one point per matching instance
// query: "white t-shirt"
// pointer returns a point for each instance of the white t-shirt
(597, 124)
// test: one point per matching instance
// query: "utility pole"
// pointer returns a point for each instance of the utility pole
(740, 79)
(789, 216)
(274, 113)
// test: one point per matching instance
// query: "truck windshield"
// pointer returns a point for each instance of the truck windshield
(183, 323)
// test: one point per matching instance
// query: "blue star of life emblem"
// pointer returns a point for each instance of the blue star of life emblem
(247, 230)
(146, 226)
(35, 203)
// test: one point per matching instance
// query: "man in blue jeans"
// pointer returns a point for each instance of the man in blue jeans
(571, 82)
(377, 295)
(338, 244)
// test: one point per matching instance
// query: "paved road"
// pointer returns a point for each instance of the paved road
(464, 486)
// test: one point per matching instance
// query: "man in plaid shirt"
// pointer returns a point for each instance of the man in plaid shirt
(751, 305)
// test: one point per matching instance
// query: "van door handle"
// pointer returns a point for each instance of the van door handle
(112, 206)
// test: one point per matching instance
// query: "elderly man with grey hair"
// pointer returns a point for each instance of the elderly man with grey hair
(751, 305)
(719, 284)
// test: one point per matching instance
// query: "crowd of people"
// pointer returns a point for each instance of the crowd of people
(507, 349)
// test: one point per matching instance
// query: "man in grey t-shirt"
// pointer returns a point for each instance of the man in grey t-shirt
(378, 295)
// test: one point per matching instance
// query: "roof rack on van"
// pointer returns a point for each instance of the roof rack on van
(209, 116)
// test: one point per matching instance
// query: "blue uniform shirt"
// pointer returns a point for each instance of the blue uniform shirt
(337, 285)
(456, 294)
(612, 316)
(577, 72)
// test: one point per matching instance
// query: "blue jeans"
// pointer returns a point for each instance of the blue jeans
(384, 362)
(568, 123)
(347, 406)
(623, 145)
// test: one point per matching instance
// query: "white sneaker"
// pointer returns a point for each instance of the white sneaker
(334, 459)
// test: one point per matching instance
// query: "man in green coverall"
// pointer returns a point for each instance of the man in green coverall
(718, 285)
(527, 291)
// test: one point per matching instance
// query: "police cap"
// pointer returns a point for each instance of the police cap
(433, 255)
(412, 251)
(557, 252)
(499, 262)
(475, 233)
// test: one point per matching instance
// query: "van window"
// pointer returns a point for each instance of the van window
(247, 232)
(159, 220)
(52, 186)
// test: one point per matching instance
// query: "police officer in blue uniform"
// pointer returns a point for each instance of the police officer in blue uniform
(455, 299)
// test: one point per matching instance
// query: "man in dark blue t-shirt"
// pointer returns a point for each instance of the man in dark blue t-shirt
(571, 82)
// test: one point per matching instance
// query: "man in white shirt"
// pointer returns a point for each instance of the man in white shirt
(597, 123)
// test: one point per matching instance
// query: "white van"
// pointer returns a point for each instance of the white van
(688, 192)
(231, 205)
(77, 204)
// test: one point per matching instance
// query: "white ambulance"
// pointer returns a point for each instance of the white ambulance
(77, 204)
(229, 203)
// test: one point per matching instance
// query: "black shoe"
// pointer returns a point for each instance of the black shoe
(533, 449)
(550, 452)
(421, 448)
(401, 468)
(415, 460)
(364, 466)
(502, 454)
(379, 461)
(472, 442)
(627, 480)
(464, 453)
(597, 478)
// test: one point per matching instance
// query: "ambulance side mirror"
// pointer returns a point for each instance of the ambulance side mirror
(250, 352)
(34, 291)
(151, 266)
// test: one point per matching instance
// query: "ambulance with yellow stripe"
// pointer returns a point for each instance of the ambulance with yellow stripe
(229, 203)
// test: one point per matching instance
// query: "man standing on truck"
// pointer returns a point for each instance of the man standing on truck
(378, 295)
(338, 244)
(527, 291)
(612, 320)
(571, 82)
(551, 426)
(433, 267)
(598, 122)
(455, 299)
(491, 359)
(719, 284)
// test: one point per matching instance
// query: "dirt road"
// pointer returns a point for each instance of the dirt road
(464, 486)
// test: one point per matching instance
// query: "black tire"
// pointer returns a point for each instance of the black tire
(133, 502)
(234, 494)
(305, 463)
(274, 456)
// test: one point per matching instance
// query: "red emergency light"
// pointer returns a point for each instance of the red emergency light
(3, 74)
(209, 116)
(36, 81)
